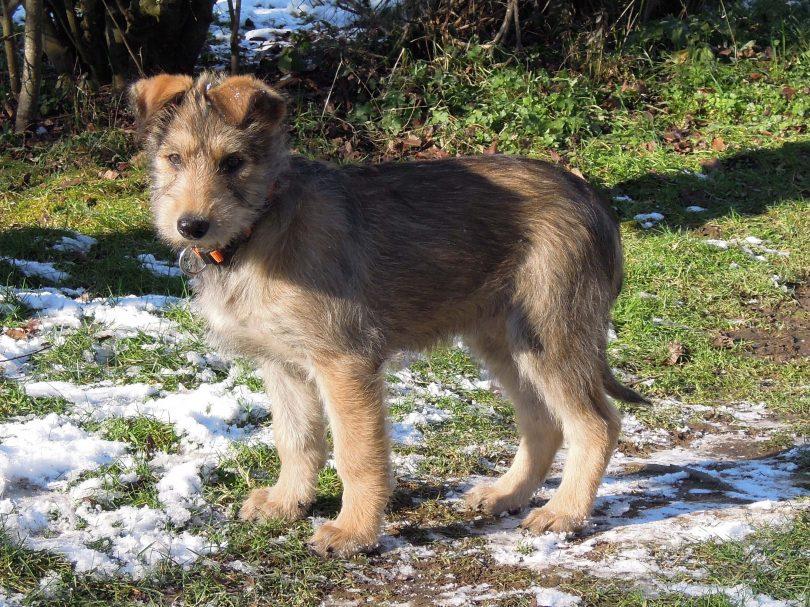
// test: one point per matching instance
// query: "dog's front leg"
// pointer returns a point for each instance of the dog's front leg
(352, 389)
(299, 430)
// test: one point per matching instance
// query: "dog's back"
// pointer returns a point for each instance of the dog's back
(441, 244)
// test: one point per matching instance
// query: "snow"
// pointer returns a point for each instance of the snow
(752, 246)
(78, 243)
(648, 220)
(740, 595)
(14, 354)
(695, 209)
(272, 22)
(38, 269)
(760, 492)
(125, 315)
(716, 243)
(45, 449)
(406, 431)
(550, 597)
(158, 266)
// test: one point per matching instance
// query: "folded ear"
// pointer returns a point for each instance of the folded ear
(150, 95)
(241, 100)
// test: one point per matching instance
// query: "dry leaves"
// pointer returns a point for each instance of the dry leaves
(23, 332)
(677, 353)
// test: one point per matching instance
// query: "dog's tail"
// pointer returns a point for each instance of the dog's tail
(619, 391)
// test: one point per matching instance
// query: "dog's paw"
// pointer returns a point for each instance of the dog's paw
(268, 502)
(332, 540)
(489, 499)
(544, 519)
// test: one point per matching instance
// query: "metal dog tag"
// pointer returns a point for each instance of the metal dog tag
(190, 263)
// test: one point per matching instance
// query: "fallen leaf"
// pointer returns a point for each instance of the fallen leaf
(577, 172)
(69, 183)
(718, 145)
(432, 152)
(110, 174)
(677, 353)
(16, 333)
(411, 141)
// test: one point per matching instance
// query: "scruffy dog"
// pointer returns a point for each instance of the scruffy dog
(319, 273)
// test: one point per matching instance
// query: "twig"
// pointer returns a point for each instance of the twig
(504, 29)
(331, 88)
(42, 349)
(516, 15)
(124, 39)
(234, 12)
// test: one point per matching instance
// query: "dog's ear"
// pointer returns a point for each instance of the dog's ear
(241, 100)
(149, 96)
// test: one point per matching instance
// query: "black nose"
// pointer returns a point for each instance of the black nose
(192, 227)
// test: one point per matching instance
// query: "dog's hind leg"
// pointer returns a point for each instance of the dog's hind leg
(300, 436)
(540, 436)
(569, 375)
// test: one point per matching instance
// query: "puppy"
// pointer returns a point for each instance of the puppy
(319, 273)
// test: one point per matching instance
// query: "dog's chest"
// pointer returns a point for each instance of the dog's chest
(250, 320)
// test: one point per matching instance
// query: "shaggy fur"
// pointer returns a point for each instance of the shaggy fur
(348, 265)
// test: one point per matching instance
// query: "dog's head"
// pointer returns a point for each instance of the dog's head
(215, 145)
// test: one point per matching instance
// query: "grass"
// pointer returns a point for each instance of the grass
(660, 120)
(82, 357)
(774, 562)
(14, 402)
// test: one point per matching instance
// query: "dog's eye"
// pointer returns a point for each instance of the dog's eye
(175, 159)
(232, 163)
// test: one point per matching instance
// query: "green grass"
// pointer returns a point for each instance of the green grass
(774, 562)
(14, 402)
(81, 357)
(143, 433)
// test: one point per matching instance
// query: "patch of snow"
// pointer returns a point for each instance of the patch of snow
(694, 209)
(648, 220)
(716, 243)
(40, 269)
(266, 24)
(158, 266)
(622, 198)
(741, 595)
(406, 432)
(78, 243)
(15, 353)
(45, 449)
(701, 176)
(551, 597)
(124, 315)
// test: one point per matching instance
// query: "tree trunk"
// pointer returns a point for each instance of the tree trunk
(234, 12)
(58, 53)
(32, 64)
(11, 51)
